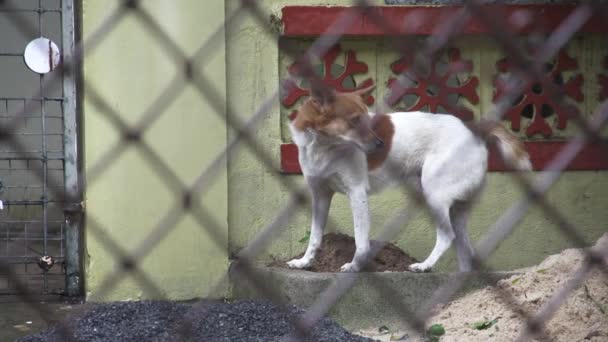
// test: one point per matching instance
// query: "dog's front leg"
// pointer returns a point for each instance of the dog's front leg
(360, 209)
(321, 200)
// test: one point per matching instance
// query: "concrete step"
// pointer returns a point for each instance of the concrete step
(375, 299)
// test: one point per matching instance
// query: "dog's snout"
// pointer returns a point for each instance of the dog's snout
(378, 142)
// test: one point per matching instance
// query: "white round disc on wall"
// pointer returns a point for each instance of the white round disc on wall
(41, 55)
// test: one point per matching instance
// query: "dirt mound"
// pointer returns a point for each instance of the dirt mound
(582, 317)
(338, 249)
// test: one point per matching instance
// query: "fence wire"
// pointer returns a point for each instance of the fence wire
(420, 53)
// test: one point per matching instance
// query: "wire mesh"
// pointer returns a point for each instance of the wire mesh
(32, 132)
(32, 221)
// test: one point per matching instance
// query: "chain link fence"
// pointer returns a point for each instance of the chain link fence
(526, 66)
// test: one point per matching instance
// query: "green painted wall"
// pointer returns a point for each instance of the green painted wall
(130, 68)
(256, 193)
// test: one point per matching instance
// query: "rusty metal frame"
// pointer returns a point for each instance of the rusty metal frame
(73, 206)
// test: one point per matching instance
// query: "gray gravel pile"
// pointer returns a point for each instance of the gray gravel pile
(213, 321)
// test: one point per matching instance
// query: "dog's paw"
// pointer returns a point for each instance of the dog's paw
(350, 267)
(299, 263)
(419, 267)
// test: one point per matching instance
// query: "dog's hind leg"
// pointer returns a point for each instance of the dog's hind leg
(447, 178)
(445, 235)
(321, 200)
(459, 214)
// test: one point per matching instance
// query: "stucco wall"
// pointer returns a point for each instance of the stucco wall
(256, 194)
(130, 69)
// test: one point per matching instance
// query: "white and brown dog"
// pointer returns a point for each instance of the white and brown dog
(345, 148)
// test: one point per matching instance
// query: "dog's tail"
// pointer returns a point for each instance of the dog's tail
(510, 147)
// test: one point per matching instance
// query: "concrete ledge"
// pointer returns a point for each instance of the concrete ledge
(364, 306)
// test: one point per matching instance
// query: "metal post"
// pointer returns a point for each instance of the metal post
(72, 206)
(45, 164)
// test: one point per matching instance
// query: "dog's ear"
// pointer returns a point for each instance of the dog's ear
(364, 91)
(322, 94)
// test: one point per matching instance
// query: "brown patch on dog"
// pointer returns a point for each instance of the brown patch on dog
(491, 131)
(330, 116)
(517, 145)
(345, 115)
(306, 117)
(384, 129)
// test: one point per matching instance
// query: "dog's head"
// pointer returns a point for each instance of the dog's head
(342, 117)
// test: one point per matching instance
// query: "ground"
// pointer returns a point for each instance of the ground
(582, 317)
(483, 315)
(19, 319)
(246, 320)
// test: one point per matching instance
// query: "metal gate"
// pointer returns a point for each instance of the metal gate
(38, 154)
